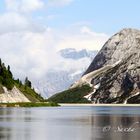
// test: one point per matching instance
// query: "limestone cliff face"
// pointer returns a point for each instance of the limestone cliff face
(12, 96)
(120, 46)
(116, 68)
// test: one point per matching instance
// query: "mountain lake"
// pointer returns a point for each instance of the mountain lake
(70, 123)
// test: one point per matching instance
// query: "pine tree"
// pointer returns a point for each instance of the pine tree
(8, 68)
(27, 83)
(20, 83)
(9, 72)
(0, 66)
(0, 62)
(3, 65)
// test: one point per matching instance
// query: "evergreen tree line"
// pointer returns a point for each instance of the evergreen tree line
(7, 80)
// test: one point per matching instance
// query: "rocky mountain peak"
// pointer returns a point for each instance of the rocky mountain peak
(118, 47)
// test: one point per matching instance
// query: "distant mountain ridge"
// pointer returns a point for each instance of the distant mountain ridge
(57, 80)
(71, 53)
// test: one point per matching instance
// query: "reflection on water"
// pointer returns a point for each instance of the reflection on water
(70, 123)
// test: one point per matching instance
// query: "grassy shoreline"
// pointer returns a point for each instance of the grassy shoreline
(30, 104)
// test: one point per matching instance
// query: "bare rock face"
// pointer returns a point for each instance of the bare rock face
(12, 96)
(120, 59)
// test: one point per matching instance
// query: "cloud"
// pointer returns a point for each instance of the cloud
(86, 30)
(82, 37)
(26, 52)
(18, 16)
(24, 5)
(59, 3)
(70, 65)
(14, 22)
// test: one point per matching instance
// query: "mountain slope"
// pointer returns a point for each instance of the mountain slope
(72, 96)
(114, 74)
(13, 91)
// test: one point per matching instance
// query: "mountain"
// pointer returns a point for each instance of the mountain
(71, 53)
(71, 67)
(114, 74)
(13, 91)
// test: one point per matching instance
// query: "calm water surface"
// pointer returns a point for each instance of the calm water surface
(70, 123)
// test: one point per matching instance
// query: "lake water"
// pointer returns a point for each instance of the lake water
(70, 123)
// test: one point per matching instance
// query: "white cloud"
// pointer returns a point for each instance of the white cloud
(31, 5)
(24, 5)
(59, 2)
(81, 38)
(86, 30)
(14, 22)
(72, 65)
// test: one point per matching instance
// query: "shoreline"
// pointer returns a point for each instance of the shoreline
(100, 105)
(30, 104)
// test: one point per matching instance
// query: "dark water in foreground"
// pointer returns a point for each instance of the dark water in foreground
(70, 123)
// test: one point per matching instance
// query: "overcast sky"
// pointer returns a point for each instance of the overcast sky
(32, 31)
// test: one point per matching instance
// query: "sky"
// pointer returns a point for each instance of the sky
(32, 31)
